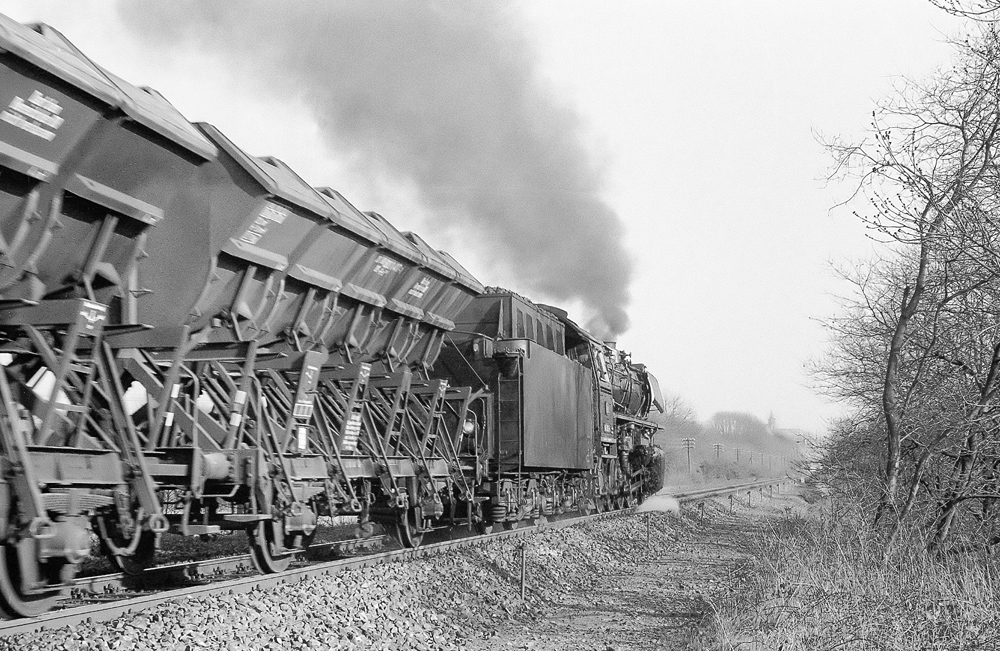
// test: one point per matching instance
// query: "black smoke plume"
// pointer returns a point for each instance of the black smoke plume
(444, 95)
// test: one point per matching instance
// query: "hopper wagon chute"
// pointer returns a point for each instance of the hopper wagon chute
(291, 313)
(194, 339)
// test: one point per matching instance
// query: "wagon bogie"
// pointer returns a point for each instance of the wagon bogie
(65, 450)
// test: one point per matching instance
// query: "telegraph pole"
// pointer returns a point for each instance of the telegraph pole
(688, 445)
(718, 449)
(737, 455)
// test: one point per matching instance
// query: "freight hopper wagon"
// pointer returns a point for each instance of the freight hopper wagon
(568, 426)
(192, 339)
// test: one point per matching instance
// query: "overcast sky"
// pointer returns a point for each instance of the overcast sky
(701, 119)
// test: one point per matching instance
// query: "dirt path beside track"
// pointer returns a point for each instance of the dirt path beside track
(664, 603)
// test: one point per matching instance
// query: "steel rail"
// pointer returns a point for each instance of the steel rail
(111, 610)
(720, 491)
(207, 569)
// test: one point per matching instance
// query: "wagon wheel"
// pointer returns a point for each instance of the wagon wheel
(264, 550)
(364, 530)
(482, 526)
(14, 600)
(114, 542)
(407, 527)
(143, 557)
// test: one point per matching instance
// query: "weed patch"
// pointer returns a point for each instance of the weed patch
(815, 583)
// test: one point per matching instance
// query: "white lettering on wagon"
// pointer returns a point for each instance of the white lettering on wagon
(385, 264)
(270, 213)
(352, 431)
(420, 288)
(34, 115)
(274, 213)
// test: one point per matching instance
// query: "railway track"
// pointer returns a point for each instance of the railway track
(204, 571)
(106, 597)
(721, 491)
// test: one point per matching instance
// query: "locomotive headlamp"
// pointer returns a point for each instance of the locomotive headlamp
(469, 427)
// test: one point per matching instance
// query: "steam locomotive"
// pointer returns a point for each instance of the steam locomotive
(194, 340)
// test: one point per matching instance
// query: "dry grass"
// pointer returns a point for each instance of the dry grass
(815, 583)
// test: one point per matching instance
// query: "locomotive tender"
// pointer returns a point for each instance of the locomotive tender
(194, 340)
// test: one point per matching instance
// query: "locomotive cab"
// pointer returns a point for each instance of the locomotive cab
(570, 410)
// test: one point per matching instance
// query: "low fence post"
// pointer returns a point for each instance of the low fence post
(524, 566)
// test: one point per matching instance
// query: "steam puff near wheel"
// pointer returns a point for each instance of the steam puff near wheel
(194, 340)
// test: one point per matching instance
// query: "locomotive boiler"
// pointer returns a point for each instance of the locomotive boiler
(194, 340)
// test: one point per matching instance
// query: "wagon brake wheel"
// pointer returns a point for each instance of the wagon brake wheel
(14, 602)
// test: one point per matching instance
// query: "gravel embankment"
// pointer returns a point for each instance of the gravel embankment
(467, 600)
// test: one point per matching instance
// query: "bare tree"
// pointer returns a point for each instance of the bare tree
(978, 10)
(676, 410)
(904, 351)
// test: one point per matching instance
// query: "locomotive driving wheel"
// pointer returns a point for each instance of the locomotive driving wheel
(18, 557)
